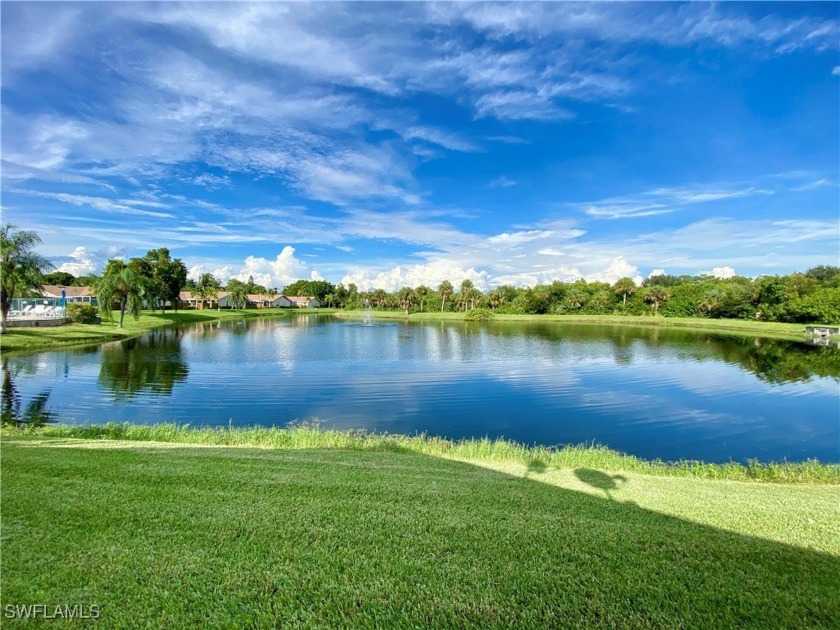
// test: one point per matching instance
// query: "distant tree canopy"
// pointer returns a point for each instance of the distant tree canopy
(59, 278)
(813, 296)
(317, 288)
(156, 279)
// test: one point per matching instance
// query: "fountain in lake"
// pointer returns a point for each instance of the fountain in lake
(367, 320)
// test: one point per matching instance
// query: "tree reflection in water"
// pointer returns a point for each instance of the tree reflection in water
(12, 410)
(151, 363)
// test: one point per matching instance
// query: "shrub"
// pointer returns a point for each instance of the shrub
(478, 314)
(82, 313)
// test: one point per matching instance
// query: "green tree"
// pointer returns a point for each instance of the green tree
(208, 287)
(21, 267)
(625, 287)
(237, 295)
(656, 296)
(59, 278)
(406, 298)
(445, 291)
(421, 293)
(467, 296)
(120, 283)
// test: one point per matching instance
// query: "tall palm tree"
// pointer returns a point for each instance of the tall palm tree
(238, 296)
(467, 288)
(421, 293)
(21, 266)
(406, 298)
(624, 287)
(445, 290)
(120, 283)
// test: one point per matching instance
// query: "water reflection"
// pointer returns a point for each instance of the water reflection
(666, 393)
(151, 363)
(12, 412)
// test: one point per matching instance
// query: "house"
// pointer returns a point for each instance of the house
(72, 294)
(304, 302)
(263, 300)
(189, 299)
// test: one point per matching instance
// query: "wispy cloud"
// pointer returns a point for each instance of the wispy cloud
(665, 200)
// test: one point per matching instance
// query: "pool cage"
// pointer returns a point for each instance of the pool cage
(41, 307)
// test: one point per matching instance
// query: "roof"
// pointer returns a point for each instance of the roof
(186, 296)
(300, 298)
(71, 292)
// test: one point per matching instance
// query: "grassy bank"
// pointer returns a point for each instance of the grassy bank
(775, 330)
(174, 535)
(35, 339)
(477, 450)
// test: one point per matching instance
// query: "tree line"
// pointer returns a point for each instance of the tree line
(156, 280)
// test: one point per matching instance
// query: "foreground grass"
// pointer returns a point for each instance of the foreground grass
(309, 436)
(170, 535)
(35, 339)
(774, 330)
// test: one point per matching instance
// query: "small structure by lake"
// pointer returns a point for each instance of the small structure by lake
(823, 331)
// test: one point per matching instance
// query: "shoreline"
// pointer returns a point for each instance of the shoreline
(32, 340)
(737, 327)
(471, 450)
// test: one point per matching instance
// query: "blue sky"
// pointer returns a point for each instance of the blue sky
(388, 144)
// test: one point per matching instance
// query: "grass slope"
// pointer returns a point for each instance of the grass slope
(310, 435)
(35, 339)
(163, 535)
(774, 330)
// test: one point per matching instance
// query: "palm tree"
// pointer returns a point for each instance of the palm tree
(406, 298)
(238, 296)
(625, 287)
(657, 295)
(467, 288)
(421, 293)
(208, 287)
(120, 283)
(494, 299)
(20, 266)
(445, 290)
(329, 298)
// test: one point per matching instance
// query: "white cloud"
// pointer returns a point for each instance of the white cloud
(550, 251)
(722, 272)
(617, 269)
(656, 272)
(81, 263)
(665, 200)
(279, 272)
(430, 275)
(836, 71)
(517, 238)
(344, 248)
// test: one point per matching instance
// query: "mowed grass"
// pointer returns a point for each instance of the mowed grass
(36, 339)
(172, 535)
(772, 330)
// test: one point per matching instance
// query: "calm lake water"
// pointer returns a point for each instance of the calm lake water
(651, 392)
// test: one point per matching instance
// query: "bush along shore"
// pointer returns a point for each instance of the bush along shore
(311, 436)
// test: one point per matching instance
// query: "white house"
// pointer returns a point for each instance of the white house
(304, 302)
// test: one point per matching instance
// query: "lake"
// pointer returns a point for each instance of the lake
(653, 392)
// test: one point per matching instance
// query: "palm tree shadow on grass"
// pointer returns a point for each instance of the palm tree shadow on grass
(600, 480)
(436, 530)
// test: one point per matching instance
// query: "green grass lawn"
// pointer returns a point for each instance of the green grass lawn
(34, 339)
(176, 535)
(775, 330)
